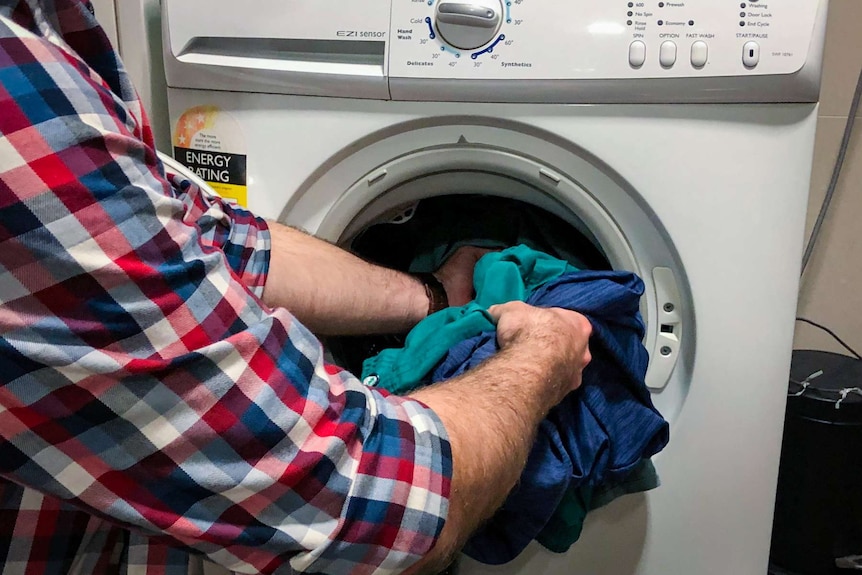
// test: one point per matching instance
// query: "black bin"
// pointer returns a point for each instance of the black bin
(818, 512)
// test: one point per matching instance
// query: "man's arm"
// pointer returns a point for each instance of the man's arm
(492, 413)
(334, 292)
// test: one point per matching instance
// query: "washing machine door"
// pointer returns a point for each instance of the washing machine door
(383, 179)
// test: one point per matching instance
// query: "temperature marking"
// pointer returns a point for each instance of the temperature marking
(490, 48)
(430, 27)
(451, 51)
(508, 12)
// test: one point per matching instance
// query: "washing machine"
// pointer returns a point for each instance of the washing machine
(674, 137)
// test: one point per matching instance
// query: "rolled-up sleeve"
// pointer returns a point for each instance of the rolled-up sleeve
(238, 234)
(143, 379)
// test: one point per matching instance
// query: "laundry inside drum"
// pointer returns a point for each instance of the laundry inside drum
(418, 237)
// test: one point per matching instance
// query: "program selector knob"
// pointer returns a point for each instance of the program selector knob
(469, 25)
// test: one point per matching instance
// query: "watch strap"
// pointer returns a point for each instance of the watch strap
(437, 299)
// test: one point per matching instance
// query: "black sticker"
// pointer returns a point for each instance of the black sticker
(214, 167)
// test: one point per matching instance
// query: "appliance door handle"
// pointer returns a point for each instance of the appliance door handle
(668, 345)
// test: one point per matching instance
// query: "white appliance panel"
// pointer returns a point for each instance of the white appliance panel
(581, 39)
(578, 51)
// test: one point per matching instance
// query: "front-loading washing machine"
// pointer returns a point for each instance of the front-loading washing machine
(674, 137)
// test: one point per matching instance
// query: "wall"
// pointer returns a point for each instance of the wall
(830, 292)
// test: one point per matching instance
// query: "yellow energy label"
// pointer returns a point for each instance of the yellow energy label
(209, 142)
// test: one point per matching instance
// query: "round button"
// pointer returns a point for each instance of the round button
(468, 25)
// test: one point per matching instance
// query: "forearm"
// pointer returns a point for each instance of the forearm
(334, 292)
(506, 398)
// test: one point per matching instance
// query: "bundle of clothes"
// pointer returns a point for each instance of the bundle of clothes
(593, 447)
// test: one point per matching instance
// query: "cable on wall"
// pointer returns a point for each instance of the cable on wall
(832, 333)
(836, 174)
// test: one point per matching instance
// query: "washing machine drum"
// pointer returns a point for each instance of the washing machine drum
(419, 237)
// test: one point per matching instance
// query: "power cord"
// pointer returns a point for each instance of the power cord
(843, 344)
(836, 174)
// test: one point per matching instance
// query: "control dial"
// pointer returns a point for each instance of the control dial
(468, 25)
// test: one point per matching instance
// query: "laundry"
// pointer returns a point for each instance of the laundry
(499, 277)
(593, 442)
(598, 435)
(421, 237)
(564, 527)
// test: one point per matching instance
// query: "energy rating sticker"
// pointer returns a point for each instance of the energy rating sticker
(209, 142)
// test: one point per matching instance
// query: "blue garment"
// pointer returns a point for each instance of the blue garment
(599, 433)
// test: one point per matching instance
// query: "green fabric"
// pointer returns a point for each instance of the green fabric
(644, 477)
(499, 277)
(565, 526)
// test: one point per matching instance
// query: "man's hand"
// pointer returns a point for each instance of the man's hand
(557, 332)
(456, 274)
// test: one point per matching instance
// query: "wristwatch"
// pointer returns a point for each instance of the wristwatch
(435, 291)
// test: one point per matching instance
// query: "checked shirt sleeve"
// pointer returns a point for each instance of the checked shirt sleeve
(142, 378)
(235, 232)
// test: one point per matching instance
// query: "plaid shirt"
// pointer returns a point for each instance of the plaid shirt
(153, 410)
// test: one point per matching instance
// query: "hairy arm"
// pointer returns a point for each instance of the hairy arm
(492, 413)
(334, 292)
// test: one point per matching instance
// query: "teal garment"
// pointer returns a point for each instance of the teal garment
(565, 525)
(500, 277)
(642, 478)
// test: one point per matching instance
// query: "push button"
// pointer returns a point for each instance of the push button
(667, 54)
(751, 54)
(637, 54)
(699, 54)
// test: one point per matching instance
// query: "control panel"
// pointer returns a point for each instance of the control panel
(481, 50)
(608, 39)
